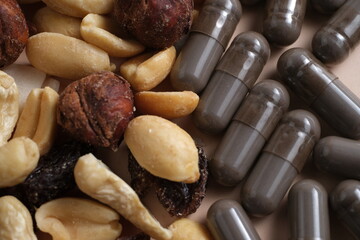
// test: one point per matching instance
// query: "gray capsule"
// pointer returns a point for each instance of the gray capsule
(327, 6)
(250, 2)
(234, 75)
(333, 42)
(345, 201)
(280, 161)
(207, 41)
(227, 220)
(283, 21)
(321, 90)
(308, 211)
(339, 156)
(251, 127)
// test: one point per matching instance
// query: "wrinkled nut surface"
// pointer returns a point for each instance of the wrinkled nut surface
(166, 104)
(95, 179)
(38, 118)
(186, 229)
(101, 32)
(64, 56)
(146, 71)
(48, 20)
(15, 220)
(80, 219)
(80, 8)
(163, 148)
(9, 106)
(18, 158)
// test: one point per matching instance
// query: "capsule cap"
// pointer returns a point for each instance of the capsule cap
(218, 19)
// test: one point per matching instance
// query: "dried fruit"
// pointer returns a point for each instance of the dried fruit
(155, 23)
(97, 109)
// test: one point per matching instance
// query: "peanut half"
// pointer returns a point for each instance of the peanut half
(80, 219)
(146, 71)
(9, 106)
(163, 148)
(100, 31)
(15, 220)
(166, 104)
(64, 56)
(186, 229)
(38, 118)
(95, 179)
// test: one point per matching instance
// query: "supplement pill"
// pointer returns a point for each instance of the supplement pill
(327, 6)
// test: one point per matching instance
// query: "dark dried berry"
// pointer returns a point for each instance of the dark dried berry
(139, 236)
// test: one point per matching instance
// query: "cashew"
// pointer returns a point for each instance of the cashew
(38, 118)
(9, 106)
(18, 158)
(100, 30)
(15, 220)
(186, 229)
(75, 218)
(95, 179)
(146, 71)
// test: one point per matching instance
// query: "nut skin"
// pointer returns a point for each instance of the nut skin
(156, 24)
(96, 109)
(14, 32)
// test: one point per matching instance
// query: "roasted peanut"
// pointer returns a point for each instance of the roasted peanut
(146, 71)
(166, 104)
(48, 20)
(163, 148)
(15, 220)
(64, 56)
(186, 229)
(100, 31)
(9, 106)
(80, 219)
(95, 179)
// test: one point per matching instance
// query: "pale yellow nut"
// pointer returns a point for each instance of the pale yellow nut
(80, 219)
(18, 158)
(96, 180)
(80, 8)
(48, 20)
(186, 229)
(146, 71)
(166, 104)
(9, 106)
(64, 56)
(163, 148)
(100, 31)
(15, 220)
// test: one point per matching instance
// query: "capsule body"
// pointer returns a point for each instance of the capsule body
(327, 6)
(227, 220)
(308, 211)
(250, 128)
(345, 201)
(249, 2)
(208, 38)
(339, 156)
(280, 161)
(234, 75)
(321, 90)
(333, 42)
(283, 21)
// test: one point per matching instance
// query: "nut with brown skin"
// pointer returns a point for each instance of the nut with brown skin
(96, 109)
(14, 32)
(155, 23)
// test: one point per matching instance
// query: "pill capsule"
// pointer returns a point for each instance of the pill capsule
(345, 201)
(234, 75)
(250, 128)
(249, 2)
(339, 156)
(333, 42)
(227, 220)
(283, 21)
(308, 211)
(208, 39)
(321, 90)
(327, 6)
(282, 158)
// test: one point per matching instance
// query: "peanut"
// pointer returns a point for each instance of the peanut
(186, 229)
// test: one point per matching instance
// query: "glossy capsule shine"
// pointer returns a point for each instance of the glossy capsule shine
(250, 128)
(234, 75)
